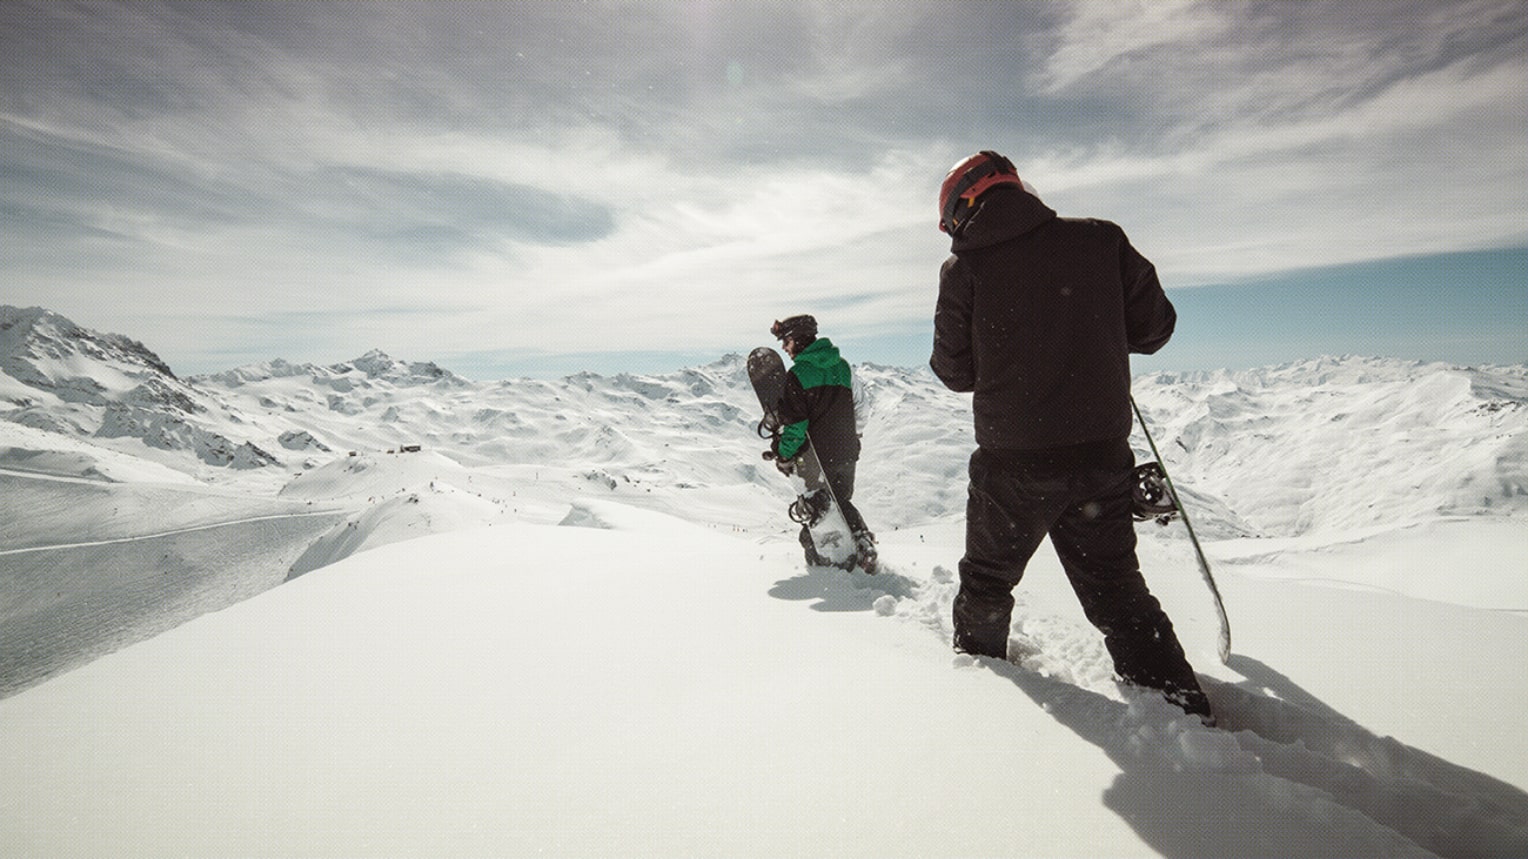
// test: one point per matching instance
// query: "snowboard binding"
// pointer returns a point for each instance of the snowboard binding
(1149, 496)
(808, 509)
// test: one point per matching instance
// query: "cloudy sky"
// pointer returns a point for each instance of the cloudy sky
(543, 187)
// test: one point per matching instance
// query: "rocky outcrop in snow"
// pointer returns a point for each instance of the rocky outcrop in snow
(169, 432)
(301, 440)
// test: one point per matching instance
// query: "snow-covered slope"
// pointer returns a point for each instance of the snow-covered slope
(603, 640)
(645, 686)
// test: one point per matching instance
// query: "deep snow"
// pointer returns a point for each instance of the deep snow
(577, 623)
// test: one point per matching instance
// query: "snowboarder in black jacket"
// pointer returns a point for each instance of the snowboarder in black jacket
(817, 408)
(1036, 317)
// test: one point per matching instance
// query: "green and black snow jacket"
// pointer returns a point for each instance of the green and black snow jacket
(818, 400)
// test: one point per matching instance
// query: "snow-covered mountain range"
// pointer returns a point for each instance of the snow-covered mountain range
(1320, 444)
(1354, 508)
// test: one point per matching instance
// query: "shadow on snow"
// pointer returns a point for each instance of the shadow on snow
(1283, 775)
(1280, 778)
(833, 590)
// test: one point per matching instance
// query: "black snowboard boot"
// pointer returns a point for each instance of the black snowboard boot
(1191, 701)
(866, 557)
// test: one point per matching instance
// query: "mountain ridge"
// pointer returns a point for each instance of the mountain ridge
(1461, 431)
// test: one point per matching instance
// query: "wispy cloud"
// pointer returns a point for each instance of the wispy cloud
(1097, 36)
(670, 176)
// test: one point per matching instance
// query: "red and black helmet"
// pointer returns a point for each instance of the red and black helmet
(802, 329)
(967, 181)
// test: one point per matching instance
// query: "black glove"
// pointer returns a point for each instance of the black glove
(787, 466)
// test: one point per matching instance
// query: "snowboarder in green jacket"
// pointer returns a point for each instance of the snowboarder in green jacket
(817, 408)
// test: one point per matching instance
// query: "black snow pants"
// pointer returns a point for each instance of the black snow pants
(1080, 497)
(841, 478)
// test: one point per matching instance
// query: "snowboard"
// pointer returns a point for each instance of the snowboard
(832, 544)
(1153, 497)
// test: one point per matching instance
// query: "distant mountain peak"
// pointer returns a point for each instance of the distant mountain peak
(377, 364)
(43, 332)
(107, 386)
(48, 351)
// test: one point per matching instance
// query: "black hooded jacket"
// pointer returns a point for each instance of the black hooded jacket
(1037, 315)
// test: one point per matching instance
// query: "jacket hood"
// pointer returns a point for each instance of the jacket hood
(821, 354)
(1005, 213)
